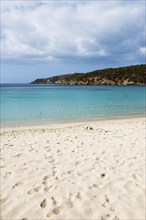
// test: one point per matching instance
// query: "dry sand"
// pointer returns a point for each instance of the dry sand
(92, 170)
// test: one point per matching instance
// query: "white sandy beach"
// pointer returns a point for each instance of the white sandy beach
(91, 170)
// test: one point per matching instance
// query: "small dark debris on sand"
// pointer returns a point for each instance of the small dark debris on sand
(102, 175)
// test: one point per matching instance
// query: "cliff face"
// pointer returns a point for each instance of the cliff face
(130, 75)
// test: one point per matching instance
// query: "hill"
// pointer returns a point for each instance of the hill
(129, 75)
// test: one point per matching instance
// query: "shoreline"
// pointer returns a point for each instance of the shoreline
(53, 124)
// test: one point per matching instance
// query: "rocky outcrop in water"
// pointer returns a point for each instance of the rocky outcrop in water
(129, 75)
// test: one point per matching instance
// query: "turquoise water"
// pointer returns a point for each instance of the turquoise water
(29, 104)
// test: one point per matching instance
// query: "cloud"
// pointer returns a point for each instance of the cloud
(143, 50)
(44, 31)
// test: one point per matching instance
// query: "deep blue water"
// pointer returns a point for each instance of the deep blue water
(26, 103)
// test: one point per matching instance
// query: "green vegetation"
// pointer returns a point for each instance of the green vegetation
(130, 75)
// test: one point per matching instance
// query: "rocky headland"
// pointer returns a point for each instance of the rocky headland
(129, 75)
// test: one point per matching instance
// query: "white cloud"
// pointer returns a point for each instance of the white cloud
(47, 30)
(8, 5)
(143, 50)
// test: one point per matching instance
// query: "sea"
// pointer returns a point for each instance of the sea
(31, 104)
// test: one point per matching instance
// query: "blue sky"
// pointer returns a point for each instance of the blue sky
(45, 38)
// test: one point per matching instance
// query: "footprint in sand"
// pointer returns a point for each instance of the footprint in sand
(2, 201)
(8, 173)
(30, 191)
(54, 201)
(43, 203)
(107, 204)
(70, 171)
(46, 189)
(105, 217)
(69, 204)
(116, 218)
(95, 185)
(54, 173)
(55, 211)
(17, 184)
(37, 188)
(78, 196)
(77, 163)
(45, 179)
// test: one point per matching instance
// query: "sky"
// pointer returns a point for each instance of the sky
(46, 38)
